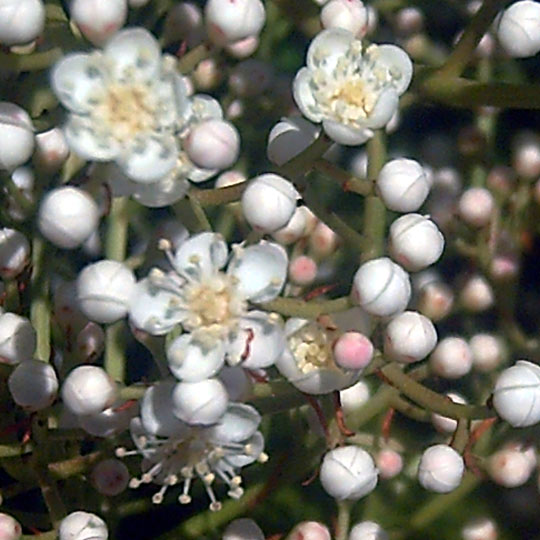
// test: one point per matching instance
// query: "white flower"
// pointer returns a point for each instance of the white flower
(212, 305)
(82, 526)
(351, 90)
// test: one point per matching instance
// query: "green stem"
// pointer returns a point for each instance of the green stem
(409, 410)
(218, 196)
(190, 212)
(346, 180)
(189, 61)
(39, 308)
(74, 466)
(292, 307)
(30, 62)
(461, 436)
(343, 519)
(49, 535)
(115, 345)
(12, 450)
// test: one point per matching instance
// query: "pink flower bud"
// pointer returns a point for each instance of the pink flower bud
(476, 207)
(243, 47)
(435, 301)
(389, 462)
(309, 530)
(10, 528)
(480, 529)
(98, 20)
(51, 149)
(451, 359)
(348, 14)
(208, 74)
(302, 270)
(477, 295)
(323, 241)
(353, 351)
(526, 153)
(409, 20)
(510, 467)
(488, 352)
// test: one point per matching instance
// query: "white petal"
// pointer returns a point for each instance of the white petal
(164, 192)
(238, 424)
(256, 444)
(397, 61)
(261, 270)
(190, 361)
(135, 55)
(78, 80)
(201, 255)
(346, 135)
(384, 109)
(84, 139)
(304, 96)
(328, 47)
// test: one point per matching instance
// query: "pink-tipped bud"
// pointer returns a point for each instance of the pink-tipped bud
(389, 462)
(208, 74)
(353, 351)
(51, 149)
(323, 241)
(10, 528)
(435, 301)
(476, 207)
(98, 20)
(309, 530)
(477, 294)
(243, 47)
(302, 270)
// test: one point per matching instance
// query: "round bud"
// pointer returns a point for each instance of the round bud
(200, 403)
(99, 20)
(184, 23)
(52, 149)
(10, 528)
(24, 180)
(269, 202)
(251, 78)
(33, 385)
(230, 178)
(208, 74)
(243, 529)
(476, 206)
(302, 270)
(518, 29)
(381, 287)
(17, 339)
(510, 467)
(295, 228)
(353, 350)
(231, 20)
(90, 342)
(480, 529)
(82, 526)
(516, 396)
(110, 477)
(435, 301)
(67, 216)
(354, 397)
(288, 138)
(14, 253)
(213, 144)
(348, 14)
(410, 337)
(409, 21)
(501, 179)
(477, 295)
(368, 530)
(441, 469)
(348, 472)
(488, 352)
(403, 185)
(243, 47)
(451, 359)
(104, 290)
(309, 530)
(526, 154)
(16, 131)
(389, 463)
(443, 423)
(323, 241)
(88, 390)
(21, 21)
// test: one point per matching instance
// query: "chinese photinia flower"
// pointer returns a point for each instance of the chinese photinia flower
(351, 89)
(211, 305)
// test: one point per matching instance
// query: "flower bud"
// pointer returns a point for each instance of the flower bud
(302, 270)
(441, 469)
(381, 287)
(354, 397)
(90, 342)
(21, 21)
(200, 403)
(184, 23)
(510, 467)
(409, 21)
(67, 217)
(243, 47)
(410, 337)
(476, 295)
(353, 350)
(16, 130)
(415, 242)
(52, 149)
(348, 14)
(516, 396)
(213, 144)
(518, 29)
(104, 290)
(451, 359)
(82, 526)
(24, 180)
(208, 74)
(99, 20)
(480, 529)
(476, 206)
(110, 477)
(230, 178)
(243, 529)
(526, 153)
(488, 352)
(14, 253)
(33, 385)
(323, 241)
(269, 202)
(251, 78)
(309, 530)
(17, 339)
(443, 423)
(88, 390)
(10, 528)
(288, 138)
(348, 472)
(403, 185)
(389, 463)
(107, 423)
(368, 530)
(435, 301)
(231, 20)
(295, 228)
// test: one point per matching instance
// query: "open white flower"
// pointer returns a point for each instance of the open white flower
(352, 90)
(212, 305)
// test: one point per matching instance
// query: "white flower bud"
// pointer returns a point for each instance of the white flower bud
(451, 359)
(269, 202)
(410, 337)
(82, 526)
(24, 179)
(516, 396)
(90, 342)
(510, 467)
(518, 29)
(348, 14)
(288, 138)
(110, 477)
(231, 20)
(445, 424)
(104, 290)
(16, 131)
(480, 529)
(88, 390)
(389, 462)
(17, 339)
(348, 472)
(213, 144)
(368, 530)
(98, 20)
(21, 21)
(354, 397)
(33, 385)
(67, 216)
(243, 529)
(302, 270)
(381, 287)
(251, 78)
(488, 352)
(200, 403)
(323, 241)
(476, 295)
(52, 149)
(296, 227)
(184, 23)
(309, 530)
(409, 21)
(476, 206)
(403, 185)
(243, 47)
(441, 469)
(107, 423)
(14, 253)
(415, 242)
(10, 528)
(435, 301)
(526, 154)
(230, 178)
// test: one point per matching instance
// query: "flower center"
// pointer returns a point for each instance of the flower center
(311, 347)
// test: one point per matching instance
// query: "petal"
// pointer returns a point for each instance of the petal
(303, 95)
(260, 340)
(398, 64)
(135, 54)
(84, 139)
(164, 192)
(256, 444)
(198, 175)
(346, 135)
(328, 47)
(238, 424)
(384, 109)
(190, 361)
(78, 80)
(261, 270)
(201, 255)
